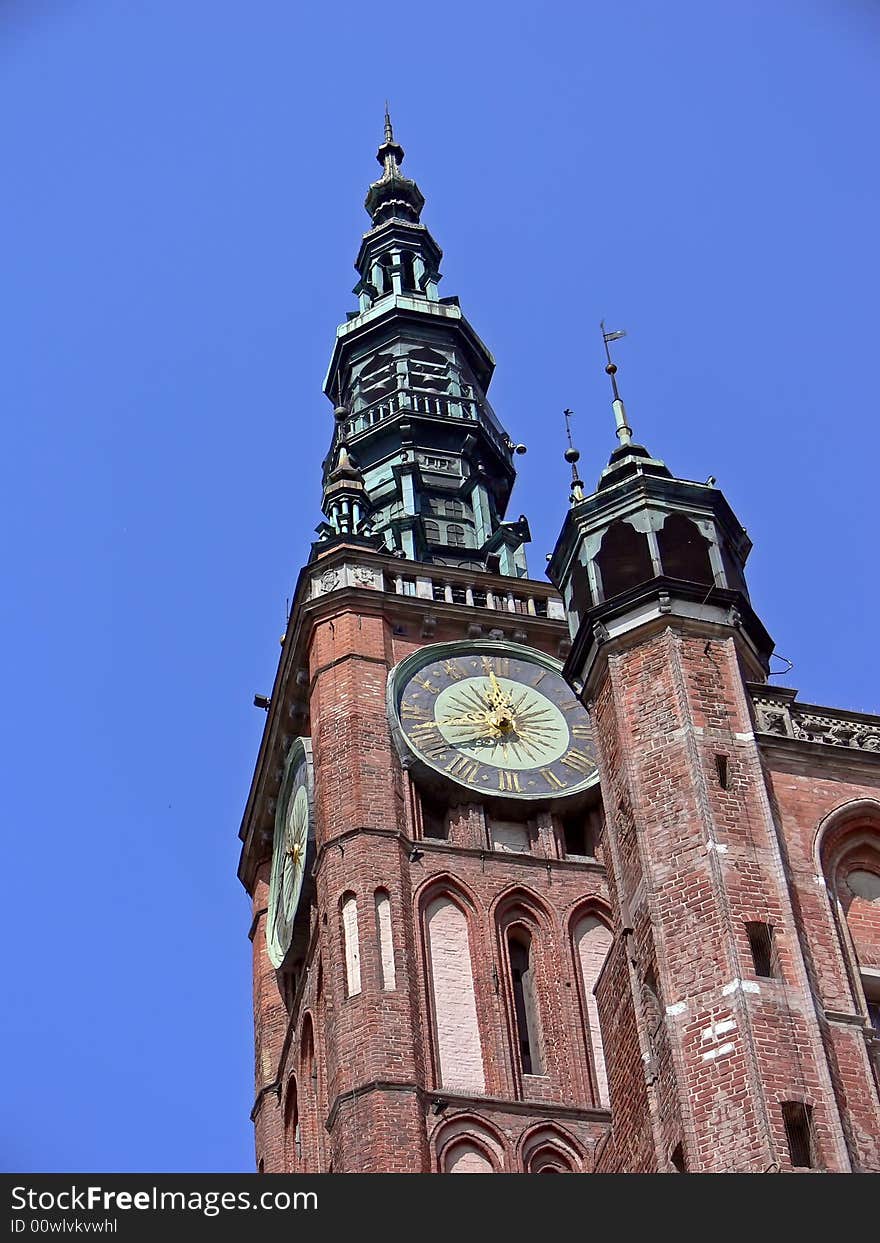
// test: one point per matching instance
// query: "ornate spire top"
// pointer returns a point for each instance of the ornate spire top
(393, 195)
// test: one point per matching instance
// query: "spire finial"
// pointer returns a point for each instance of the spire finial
(624, 431)
(572, 456)
(393, 194)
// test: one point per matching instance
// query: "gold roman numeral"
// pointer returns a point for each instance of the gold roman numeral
(453, 670)
(463, 767)
(540, 678)
(581, 731)
(577, 761)
(411, 712)
(509, 781)
(552, 780)
(427, 685)
(569, 705)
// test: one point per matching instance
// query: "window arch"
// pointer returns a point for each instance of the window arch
(454, 509)
(467, 1144)
(457, 1044)
(548, 1150)
(455, 536)
(848, 849)
(684, 550)
(432, 531)
(591, 941)
(624, 559)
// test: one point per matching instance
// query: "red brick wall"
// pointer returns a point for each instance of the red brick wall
(691, 863)
(377, 1080)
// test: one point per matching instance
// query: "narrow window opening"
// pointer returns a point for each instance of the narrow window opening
(524, 1002)
(677, 1158)
(721, 769)
(763, 950)
(435, 818)
(408, 279)
(577, 833)
(798, 1120)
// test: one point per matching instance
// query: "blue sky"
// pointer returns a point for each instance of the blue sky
(182, 203)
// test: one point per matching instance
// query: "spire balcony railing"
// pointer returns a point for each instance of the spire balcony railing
(447, 590)
(415, 401)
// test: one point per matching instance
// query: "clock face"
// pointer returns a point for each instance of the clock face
(293, 832)
(493, 717)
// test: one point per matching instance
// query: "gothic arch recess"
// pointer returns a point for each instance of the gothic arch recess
(547, 1149)
(590, 939)
(847, 853)
(447, 927)
(467, 1144)
(291, 1124)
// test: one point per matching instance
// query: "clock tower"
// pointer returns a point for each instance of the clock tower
(422, 839)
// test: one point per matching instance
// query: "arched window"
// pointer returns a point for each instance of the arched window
(351, 945)
(456, 1029)
(454, 509)
(684, 550)
(455, 536)
(384, 942)
(624, 559)
(525, 1000)
(592, 941)
(849, 855)
(432, 532)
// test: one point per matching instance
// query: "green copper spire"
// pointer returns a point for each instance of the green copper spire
(419, 465)
(393, 195)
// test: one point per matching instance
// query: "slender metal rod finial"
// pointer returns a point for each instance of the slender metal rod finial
(572, 456)
(624, 431)
(389, 132)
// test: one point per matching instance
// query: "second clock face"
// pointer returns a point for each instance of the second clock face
(293, 830)
(494, 717)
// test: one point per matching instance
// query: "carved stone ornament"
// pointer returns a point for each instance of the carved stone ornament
(364, 576)
(329, 580)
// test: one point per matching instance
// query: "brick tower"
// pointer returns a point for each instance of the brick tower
(732, 1052)
(420, 839)
(444, 979)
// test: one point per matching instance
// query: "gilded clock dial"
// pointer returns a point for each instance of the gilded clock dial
(290, 849)
(496, 718)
